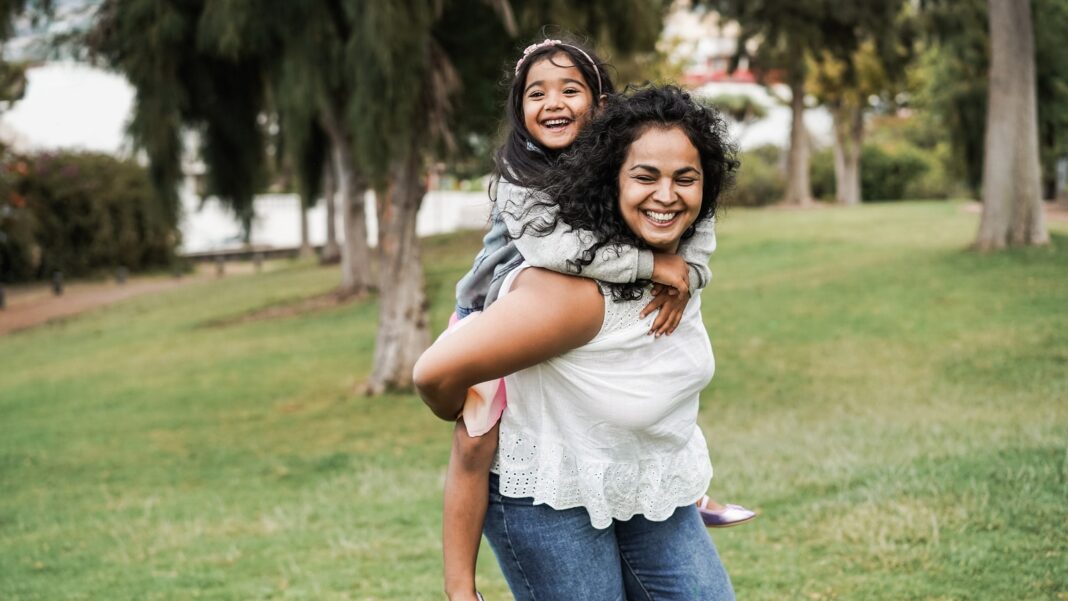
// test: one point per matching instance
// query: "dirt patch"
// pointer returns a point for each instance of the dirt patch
(1057, 212)
(311, 304)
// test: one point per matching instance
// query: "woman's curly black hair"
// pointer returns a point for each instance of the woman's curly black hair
(584, 183)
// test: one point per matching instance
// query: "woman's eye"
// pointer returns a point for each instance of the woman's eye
(685, 181)
(645, 179)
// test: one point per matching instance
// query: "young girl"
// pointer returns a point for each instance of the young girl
(557, 85)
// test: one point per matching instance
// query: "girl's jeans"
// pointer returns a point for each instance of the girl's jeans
(550, 555)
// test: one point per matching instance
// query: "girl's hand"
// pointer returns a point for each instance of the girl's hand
(671, 305)
(673, 272)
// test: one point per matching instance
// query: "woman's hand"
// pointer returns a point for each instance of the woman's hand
(671, 305)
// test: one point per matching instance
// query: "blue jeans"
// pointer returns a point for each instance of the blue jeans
(551, 555)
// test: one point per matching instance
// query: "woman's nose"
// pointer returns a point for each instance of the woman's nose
(664, 191)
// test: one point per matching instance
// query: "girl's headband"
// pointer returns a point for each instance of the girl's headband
(547, 42)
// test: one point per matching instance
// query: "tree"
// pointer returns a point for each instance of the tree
(787, 34)
(955, 86)
(207, 66)
(187, 75)
(845, 86)
(1013, 214)
(331, 251)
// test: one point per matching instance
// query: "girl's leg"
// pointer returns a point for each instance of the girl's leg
(465, 508)
(552, 555)
(673, 560)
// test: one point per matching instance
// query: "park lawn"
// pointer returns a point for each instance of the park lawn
(895, 406)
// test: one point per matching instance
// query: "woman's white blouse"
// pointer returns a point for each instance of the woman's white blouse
(611, 426)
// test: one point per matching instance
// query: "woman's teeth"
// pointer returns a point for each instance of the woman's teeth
(660, 217)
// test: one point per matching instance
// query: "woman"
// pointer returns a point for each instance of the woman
(600, 459)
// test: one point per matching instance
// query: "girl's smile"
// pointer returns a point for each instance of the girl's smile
(556, 101)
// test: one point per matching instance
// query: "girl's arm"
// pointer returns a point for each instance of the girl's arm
(520, 208)
(545, 314)
(697, 250)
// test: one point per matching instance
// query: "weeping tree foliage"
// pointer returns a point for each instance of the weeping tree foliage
(191, 68)
(13, 74)
(302, 147)
(315, 70)
(787, 34)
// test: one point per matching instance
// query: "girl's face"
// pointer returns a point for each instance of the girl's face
(661, 186)
(556, 101)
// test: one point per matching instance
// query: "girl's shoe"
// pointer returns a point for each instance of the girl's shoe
(730, 515)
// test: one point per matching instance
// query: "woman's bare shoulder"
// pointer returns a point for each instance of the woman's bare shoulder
(578, 297)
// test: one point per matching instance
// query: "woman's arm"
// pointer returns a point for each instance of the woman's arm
(545, 314)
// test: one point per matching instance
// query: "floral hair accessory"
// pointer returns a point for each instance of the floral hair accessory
(548, 42)
(532, 48)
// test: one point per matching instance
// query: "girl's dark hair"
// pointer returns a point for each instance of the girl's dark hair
(584, 183)
(522, 159)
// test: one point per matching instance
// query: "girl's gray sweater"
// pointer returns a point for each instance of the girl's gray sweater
(506, 245)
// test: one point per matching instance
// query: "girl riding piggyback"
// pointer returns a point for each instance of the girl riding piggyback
(557, 86)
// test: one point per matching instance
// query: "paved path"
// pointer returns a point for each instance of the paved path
(31, 305)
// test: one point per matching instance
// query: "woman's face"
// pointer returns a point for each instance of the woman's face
(556, 101)
(660, 187)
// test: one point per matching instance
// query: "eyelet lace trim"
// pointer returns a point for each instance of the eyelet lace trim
(551, 474)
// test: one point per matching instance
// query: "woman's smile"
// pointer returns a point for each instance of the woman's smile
(661, 219)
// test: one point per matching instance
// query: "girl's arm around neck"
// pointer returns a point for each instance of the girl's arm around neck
(524, 211)
(544, 315)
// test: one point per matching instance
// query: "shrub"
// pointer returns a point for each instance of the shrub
(888, 171)
(760, 179)
(79, 213)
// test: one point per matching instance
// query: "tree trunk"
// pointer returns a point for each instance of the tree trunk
(856, 134)
(331, 252)
(356, 269)
(848, 139)
(1012, 197)
(305, 246)
(798, 187)
(403, 329)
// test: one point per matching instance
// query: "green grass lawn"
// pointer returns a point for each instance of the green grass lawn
(895, 406)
